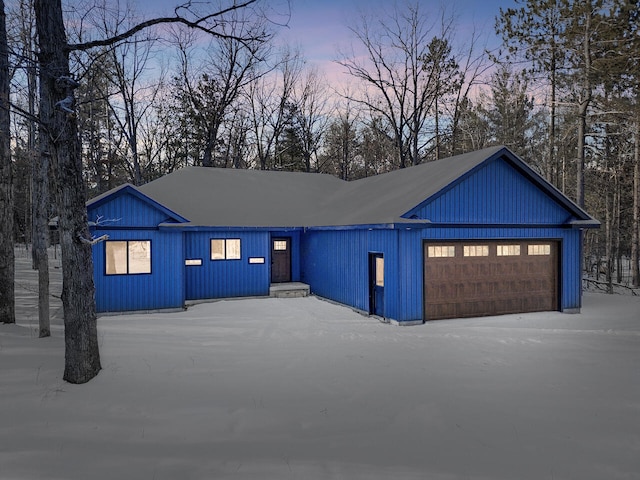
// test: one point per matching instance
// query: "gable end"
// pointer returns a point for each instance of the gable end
(502, 190)
(126, 207)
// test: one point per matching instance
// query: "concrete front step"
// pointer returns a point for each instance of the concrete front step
(289, 290)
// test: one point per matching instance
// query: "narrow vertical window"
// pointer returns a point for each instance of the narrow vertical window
(233, 249)
(116, 258)
(379, 271)
(139, 257)
(217, 249)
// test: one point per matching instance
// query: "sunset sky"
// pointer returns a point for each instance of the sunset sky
(320, 27)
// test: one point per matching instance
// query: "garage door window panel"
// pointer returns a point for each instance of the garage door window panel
(441, 251)
(508, 250)
(542, 249)
(476, 250)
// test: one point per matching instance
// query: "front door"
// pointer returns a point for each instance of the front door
(280, 260)
(376, 284)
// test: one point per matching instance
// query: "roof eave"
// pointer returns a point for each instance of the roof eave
(590, 223)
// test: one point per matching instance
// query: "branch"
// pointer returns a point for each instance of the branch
(196, 24)
(101, 221)
(23, 113)
(93, 240)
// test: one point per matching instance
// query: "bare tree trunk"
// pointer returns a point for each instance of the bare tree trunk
(583, 108)
(617, 223)
(552, 168)
(608, 242)
(635, 240)
(40, 233)
(7, 255)
(59, 124)
(40, 199)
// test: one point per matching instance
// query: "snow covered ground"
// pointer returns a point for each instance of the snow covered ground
(304, 389)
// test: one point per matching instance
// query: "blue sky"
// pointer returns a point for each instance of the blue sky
(320, 27)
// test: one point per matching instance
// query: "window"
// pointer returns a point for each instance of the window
(225, 249)
(543, 249)
(379, 271)
(476, 251)
(508, 250)
(437, 251)
(128, 257)
(279, 244)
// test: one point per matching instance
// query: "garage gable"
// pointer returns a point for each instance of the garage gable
(128, 207)
(498, 192)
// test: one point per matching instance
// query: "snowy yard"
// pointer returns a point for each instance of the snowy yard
(304, 389)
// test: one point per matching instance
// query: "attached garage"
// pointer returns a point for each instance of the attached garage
(476, 278)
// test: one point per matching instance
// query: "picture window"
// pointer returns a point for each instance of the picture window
(225, 249)
(128, 257)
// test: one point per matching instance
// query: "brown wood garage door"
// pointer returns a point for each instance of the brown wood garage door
(477, 278)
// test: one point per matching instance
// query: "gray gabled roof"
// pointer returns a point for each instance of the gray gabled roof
(253, 198)
(247, 198)
(384, 198)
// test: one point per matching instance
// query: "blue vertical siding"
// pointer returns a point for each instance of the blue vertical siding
(336, 263)
(227, 278)
(496, 193)
(127, 217)
(162, 288)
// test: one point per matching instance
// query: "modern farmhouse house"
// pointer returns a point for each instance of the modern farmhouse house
(471, 235)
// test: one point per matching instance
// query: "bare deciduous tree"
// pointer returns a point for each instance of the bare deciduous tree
(269, 100)
(405, 70)
(7, 272)
(311, 110)
(59, 124)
